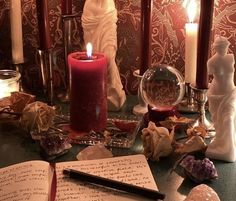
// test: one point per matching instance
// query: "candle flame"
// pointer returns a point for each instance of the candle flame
(191, 6)
(89, 49)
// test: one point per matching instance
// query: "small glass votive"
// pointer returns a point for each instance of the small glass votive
(9, 82)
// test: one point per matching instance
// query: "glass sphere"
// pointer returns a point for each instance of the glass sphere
(162, 87)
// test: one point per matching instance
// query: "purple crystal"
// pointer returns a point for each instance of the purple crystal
(199, 170)
(54, 144)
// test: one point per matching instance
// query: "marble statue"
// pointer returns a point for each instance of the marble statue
(222, 102)
(99, 25)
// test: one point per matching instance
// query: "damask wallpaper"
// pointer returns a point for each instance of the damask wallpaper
(168, 37)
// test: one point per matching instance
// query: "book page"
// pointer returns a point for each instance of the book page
(25, 181)
(132, 169)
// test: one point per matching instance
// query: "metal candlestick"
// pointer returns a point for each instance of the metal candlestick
(45, 58)
(188, 104)
(18, 67)
(141, 108)
(200, 95)
(66, 28)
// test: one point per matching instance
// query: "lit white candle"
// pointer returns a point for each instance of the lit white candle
(16, 32)
(9, 82)
(191, 44)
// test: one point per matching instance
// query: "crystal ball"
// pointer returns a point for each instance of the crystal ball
(162, 87)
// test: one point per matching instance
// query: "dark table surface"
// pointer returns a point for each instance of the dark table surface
(16, 148)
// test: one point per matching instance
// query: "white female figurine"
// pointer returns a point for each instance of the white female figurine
(222, 102)
(99, 25)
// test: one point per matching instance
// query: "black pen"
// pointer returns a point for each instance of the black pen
(145, 192)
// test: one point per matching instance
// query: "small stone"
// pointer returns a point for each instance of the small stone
(97, 151)
(202, 193)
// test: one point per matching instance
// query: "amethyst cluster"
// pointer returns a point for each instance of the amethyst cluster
(199, 170)
(54, 145)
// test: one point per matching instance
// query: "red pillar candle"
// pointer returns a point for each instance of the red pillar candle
(146, 30)
(204, 34)
(88, 101)
(43, 24)
(66, 7)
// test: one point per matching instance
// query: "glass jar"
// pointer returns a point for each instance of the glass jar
(9, 82)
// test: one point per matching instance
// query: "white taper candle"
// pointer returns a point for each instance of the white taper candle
(191, 43)
(191, 52)
(16, 32)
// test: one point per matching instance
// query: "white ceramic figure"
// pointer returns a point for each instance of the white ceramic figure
(99, 20)
(222, 102)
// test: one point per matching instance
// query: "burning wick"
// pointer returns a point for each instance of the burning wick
(89, 49)
(88, 55)
(192, 11)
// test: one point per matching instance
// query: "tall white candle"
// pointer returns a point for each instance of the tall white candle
(16, 32)
(191, 44)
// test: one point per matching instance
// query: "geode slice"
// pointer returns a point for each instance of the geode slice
(54, 146)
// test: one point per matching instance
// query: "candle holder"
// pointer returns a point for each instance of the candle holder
(18, 67)
(188, 105)
(9, 82)
(45, 58)
(66, 28)
(200, 95)
(141, 108)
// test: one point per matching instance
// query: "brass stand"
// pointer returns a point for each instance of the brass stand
(200, 95)
(19, 68)
(188, 104)
(45, 58)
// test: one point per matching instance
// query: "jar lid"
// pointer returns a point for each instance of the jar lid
(9, 76)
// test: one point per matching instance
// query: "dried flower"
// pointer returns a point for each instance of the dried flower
(37, 117)
(156, 141)
(193, 144)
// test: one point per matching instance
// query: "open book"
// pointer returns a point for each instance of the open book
(35, 180)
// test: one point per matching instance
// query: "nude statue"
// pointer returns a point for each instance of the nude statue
(222, 102)
(221, 66)
(99, 25)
